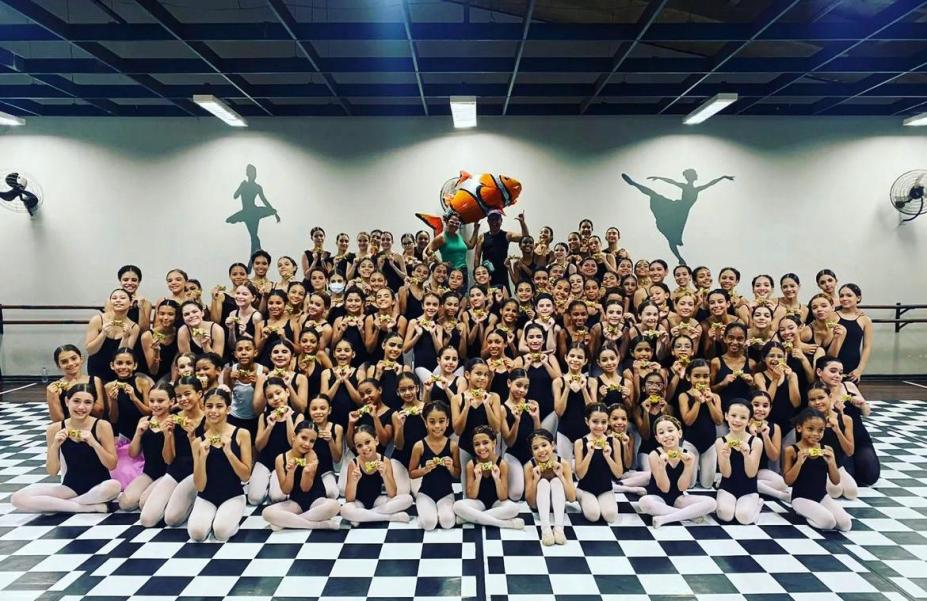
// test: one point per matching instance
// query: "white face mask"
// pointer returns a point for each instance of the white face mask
(336, 287)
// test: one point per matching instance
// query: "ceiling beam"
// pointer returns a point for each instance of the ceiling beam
(201, 49)
(59, 28)
(290, 25)
(654, 7)
(567, 32)
(830, 54)
(526, 25)
(865, 87)
(453, 64)
(777, 10)
(407, 24)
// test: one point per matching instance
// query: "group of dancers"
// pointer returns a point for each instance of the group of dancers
(382, 377)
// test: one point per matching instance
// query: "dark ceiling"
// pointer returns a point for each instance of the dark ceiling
(518, 57)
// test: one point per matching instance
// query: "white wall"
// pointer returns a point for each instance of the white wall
(809, 193)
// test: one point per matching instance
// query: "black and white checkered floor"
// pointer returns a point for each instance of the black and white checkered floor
(110, 557)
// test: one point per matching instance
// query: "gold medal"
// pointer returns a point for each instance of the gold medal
(487, 466)
(815, 452)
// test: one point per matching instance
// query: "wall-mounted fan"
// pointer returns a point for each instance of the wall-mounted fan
(908, 194)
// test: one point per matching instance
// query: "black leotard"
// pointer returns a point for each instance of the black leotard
(222, 483)
(182, 465)
(520, 449)
(98, 364)
(476, 417)
(437, 483)
(128, 412)
(389, 379)
(811, 482)
(487, 492)
(168, 353)
(572, 423)
(540, 388)
(324, 452)
(413, 305)
(830, 439)
(370, 486)
(673, 474)
(851, 351)
(413, 430)
(764, 459)
(738, 484)
(314, 379)
(500, 383)
(781, 411)
(305, 499)
(277, 442)
(703, 431)
(598, 478)
(424, 353)
(738, 389)
(152, 449)
(342, 403)
(84, 468)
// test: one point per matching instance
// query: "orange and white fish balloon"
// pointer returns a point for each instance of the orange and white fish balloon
(472, 198)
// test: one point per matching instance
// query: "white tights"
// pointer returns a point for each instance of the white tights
(603, 506)
(431, 513)
(261, 480)
(169, 500)
(550, 497)
(404, 485)
(771, 484)
(223, 521)
(58, 498)
(331, 485)
(136, 493)
(288, 514)
(706, 467)
(500, 515)
(565, 449)
(847, 487)
(824, 515)
(516, 477)
(686, 507)
(745, 509)
(385, 509)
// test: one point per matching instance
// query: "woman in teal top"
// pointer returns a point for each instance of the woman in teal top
(452, 246)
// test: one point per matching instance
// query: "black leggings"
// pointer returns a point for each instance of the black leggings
(864, 466)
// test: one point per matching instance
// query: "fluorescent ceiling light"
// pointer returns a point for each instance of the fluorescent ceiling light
(220, 109)
(11, 120)
(712, 106)
(916, 120)
(463, 109)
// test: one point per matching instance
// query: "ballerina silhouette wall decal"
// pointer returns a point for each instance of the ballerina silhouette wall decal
(251, 214)
(671, 215)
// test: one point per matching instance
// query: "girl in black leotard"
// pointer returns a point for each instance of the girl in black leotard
(618, 423)
(424, 337)
(598, 461)
(573, 393)
(372, 413)
(739, 455)
(274, 432)
(672, 470)
(508, 327)
(311, 361)
(444, 383)
(474, 407)
(314, 317)
(277, 326)
(297, 386)
(769, 480)
(69, 359)
(762, 329)
(499, 364)
(86, 445)
(159, 345)
(542, 369)
(370, 492)
(714, 326)
(173, 495)
(486, 496)
(797, 357)
(381, 323)
(701, 414)
(455, 331)
(548, 486)
(838, 435)
(128, 403)
(329, 445)
(479, 321)
(340, 381)
(776, 378)
(856, 347)
(223, 303)
(847, 398)
(130, 277)
(412, 295)
(825, 330)
(196, 335)
(732, 371)
(388, 369)
(521, 417)
(221, 462)
(408, 429)
(108, 332)
(350, 326)
(683, 351)
(298, 471)
(148, 441)
(807, 466)
(436, 461)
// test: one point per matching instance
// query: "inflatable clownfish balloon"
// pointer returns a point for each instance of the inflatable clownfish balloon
(471, 198)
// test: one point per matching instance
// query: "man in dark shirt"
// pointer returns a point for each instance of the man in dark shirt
(493, 247)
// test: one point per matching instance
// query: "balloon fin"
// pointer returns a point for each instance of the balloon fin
(432, 221)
